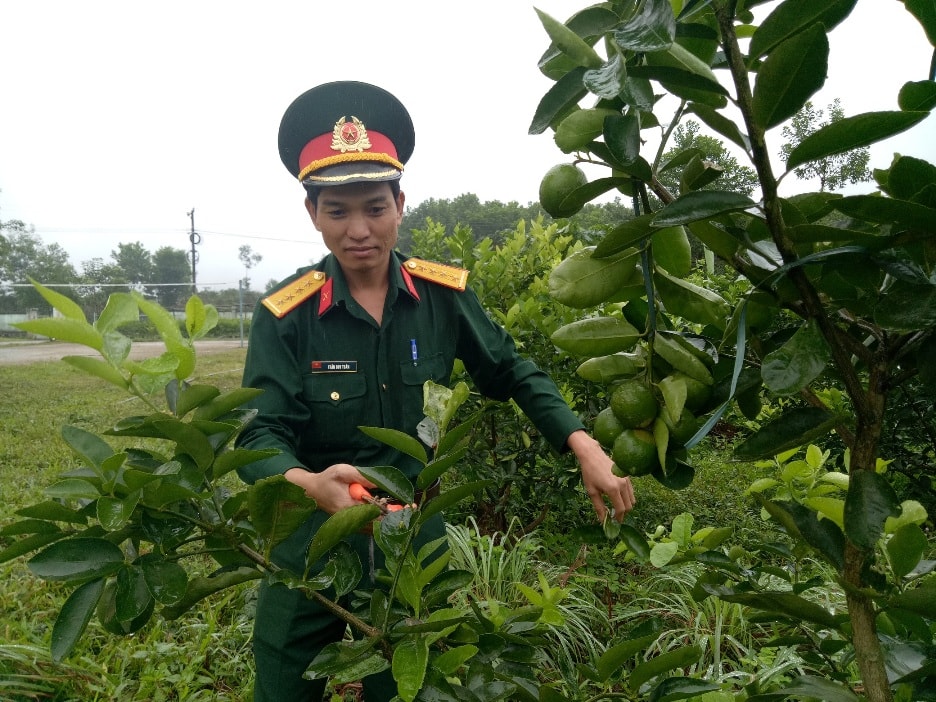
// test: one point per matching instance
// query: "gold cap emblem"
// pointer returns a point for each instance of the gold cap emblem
(350, 136)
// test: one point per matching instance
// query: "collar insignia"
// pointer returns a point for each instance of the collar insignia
(350, 136)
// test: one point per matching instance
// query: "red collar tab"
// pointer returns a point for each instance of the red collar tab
(408, 279)
(326, 297)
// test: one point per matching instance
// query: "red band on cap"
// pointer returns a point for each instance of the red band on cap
(321, 152)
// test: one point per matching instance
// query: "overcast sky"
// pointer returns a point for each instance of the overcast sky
(118, 118)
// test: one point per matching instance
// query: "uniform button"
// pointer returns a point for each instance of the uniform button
(335, 396)
(383, 386)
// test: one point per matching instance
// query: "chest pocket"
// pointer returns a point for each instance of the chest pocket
(414, 376)
(338, 404)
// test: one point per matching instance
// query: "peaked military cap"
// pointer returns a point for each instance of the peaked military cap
(345, 132)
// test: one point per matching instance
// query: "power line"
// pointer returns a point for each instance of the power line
(168, 232)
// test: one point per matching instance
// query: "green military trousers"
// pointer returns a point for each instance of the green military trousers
(290, 629)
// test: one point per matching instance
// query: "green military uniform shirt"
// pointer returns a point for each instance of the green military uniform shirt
(327, 368)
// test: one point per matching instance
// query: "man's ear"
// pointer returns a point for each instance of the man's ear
(401, 200)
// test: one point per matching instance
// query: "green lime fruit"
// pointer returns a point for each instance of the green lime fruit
(559, 181)
(634, 453)
(680, 432)
(634, 404)
(606, 428)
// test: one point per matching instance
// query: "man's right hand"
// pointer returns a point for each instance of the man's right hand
(329, 488)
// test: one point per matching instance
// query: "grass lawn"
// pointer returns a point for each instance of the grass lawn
(203, 656)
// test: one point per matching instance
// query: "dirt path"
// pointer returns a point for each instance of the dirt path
(24, 352)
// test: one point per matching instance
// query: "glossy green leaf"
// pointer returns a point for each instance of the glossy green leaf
(814, 687)
(609, 80)
(189, 441)
(454, 658)
(29, 544)
(790, 75)
(636, 542)
(664, 663)
(798, 362)
(921, 600)
(73, 618)
(690, 301)
(195, 396)
(201, 587)
(132, 597)
(77, 559)
(793, 16)
(72, 489)
(582, 281)
(804, 524)
(277, 508)
(347, 661)
(113, 513)
(561, 99)
(697, 174)
(683, 83)
(596, 336)
(391, 480)
(917, 95)
(166, 580)
(199, 318)
(699, 205)
(651, 28)
(605, 369)
(399, 440)
(237, 458)
(852, 133)
(120, 309)
(793, 428)
(613, 660)
(870, 501)
(721, 124)
(570, 43)
(622, 136)
(905, 549)
(925, 13)
(226, 402)
(337, 527)
(168, 329)
(908, 176)
(785, 605)
(89, 446)
(410, 658)
(437, 468)
(68, 308)
(884, 210)
(97, 368)
(54, 512)
(672, 251)
(348, 568)
(907, 307)
(624, 235)
(680, 688)
(64, 329)
(449, 497)
(580, 128)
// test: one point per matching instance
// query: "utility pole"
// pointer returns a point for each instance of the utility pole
(195, 239)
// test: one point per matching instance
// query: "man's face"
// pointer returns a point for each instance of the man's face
(358, 223)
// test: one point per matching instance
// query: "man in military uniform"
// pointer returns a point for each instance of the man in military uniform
(350, 342)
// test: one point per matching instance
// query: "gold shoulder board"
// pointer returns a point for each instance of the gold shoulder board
(449, 276)
(291, 295)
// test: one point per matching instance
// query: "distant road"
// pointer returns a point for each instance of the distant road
(23, 352)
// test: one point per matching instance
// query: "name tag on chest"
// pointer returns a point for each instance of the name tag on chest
(334, 366)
